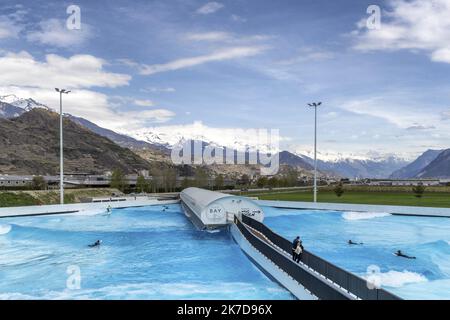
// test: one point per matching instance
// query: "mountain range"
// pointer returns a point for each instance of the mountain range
(413, 169)
(438, 168)
(153, 145)
(30, 145)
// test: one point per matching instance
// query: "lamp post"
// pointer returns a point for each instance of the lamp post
(61, 157)
(315, 105)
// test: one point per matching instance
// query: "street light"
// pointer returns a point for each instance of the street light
(61, 161)
(315, 105)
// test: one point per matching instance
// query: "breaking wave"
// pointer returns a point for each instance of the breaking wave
(397, 279)
(89, 212)
(156, 290)
(351, 215)
(5, 229)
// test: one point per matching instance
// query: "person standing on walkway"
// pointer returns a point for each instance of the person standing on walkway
(294, 247)
(298, 252)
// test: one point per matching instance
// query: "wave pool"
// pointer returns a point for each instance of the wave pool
(146, 253)
(326, 233)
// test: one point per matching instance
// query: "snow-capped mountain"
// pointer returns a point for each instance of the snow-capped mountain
(417, 166)
(9, 111)
(25, 104)
(237, 139)
(361, 166)
(370, 165)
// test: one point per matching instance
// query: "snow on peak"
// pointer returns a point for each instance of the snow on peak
(336, 157)
(26, 104)
(237, 139)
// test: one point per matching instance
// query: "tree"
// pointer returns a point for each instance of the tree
(157, 179)
(141, 184)
(118, 180)
(185, 183)
(418, 190)
(339, 189)
(245, 180)
(38, 183)
(201, 178)
(291, 177)
(273, 182)
(218, 182)
(262, 182)
(169, 179)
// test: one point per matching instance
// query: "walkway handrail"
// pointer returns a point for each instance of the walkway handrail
(346, 280)
(318, 286)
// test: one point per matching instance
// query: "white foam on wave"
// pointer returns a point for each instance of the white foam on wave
(156, 290)
(89, 212)
(353, 215)
(5, 229)
(397, 279)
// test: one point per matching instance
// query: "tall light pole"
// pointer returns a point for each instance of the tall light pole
(61, 157)
(315, 105)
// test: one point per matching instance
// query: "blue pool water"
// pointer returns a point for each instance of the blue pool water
(146, 254)
(326, 233)
(151, 254)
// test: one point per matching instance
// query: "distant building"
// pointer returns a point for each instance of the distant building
(403, 182)
(15, 181)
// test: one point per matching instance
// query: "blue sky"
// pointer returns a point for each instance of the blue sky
(163, 66)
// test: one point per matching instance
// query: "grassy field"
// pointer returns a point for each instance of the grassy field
(29, 198)
(396, 197)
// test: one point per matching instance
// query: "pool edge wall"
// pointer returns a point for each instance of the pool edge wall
(397, 210)
(9, 212)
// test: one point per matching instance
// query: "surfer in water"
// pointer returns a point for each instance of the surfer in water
(95, 244)
(399, 253)
(350, 242)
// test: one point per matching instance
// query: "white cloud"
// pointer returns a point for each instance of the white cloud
(9, 28)
(208, 36)
(158, 90)
(238, 18)
(142, 117)
(307, 55)
(91, 105)
(413, 25)
(94, 106)
(78, 71)
(226, 37)
(26, 77)
(445, 115)
(54, 32)
(144, 103)
(405, 117)
(220, 55)
(210, 7)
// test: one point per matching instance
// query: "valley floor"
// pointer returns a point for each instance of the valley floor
(430, 199)
(29, 198)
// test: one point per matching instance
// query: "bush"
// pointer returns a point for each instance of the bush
(339, 189)
(9, 199)
(38, 183)
(418, 190)
(118, 180)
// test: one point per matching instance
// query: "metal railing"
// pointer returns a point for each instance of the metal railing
(313, 283)
(344, 279)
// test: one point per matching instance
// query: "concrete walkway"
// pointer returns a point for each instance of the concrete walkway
(78, 207)
(397, 210)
